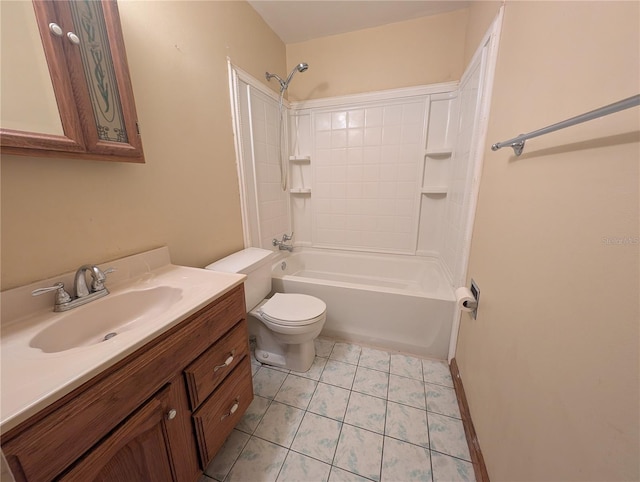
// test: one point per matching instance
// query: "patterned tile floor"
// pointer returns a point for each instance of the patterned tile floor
(358, 414)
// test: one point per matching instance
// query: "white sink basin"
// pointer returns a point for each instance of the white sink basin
(104, 319)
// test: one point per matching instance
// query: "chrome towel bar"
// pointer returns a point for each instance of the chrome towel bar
(517, 143)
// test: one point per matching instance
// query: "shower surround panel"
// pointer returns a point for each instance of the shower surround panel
(367, 164)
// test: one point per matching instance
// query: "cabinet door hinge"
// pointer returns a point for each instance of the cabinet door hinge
(138, 127)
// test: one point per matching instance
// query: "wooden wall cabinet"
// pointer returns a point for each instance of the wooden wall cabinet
(85, 53)
(160, 414)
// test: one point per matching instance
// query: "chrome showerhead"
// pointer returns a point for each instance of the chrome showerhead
(301, 67)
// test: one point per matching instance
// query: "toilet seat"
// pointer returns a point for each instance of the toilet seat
(293, 309)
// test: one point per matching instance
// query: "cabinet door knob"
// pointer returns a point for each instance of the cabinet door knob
(232, 410)
(73, 38)
(171, 414)
(55, 29)
(226, 363)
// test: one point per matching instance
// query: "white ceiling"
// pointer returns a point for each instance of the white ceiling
(300, 20)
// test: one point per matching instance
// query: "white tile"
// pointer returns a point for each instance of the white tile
(407, 423)
(406, 366)
(298, 467)
(406, 462)
(322, 121)
(254, 414)
(371, 382)
(267, 382)
(338, 138)
(338, 120)
(442, 400)
(407, 391)
(227, 455)
(359, 451)
(376, 359)
(446, 469)
(447, 436)
(339, 475)
(323, 347)
(315, 371)
(260, 461)
(329, 401)
(317, 437)
(356, 118)
(366, 412)
(279, 424)
(296, 391)
(373, 116)
(346, 352)
(437, 372)
(338, 373)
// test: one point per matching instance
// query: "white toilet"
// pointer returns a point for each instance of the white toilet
(286, 324)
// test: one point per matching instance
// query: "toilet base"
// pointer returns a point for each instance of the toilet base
(298, 357)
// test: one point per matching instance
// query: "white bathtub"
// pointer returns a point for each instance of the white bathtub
(395, 302)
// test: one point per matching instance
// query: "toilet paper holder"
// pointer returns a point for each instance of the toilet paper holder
(475, 291)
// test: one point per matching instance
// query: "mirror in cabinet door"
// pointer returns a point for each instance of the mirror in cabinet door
(87, 69)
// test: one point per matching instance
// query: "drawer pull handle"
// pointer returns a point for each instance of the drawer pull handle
(232, 410)
(171, 414)
(227, 362)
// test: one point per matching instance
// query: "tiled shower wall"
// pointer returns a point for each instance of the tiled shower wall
(366, 166)
(386, 175)
(374, 176)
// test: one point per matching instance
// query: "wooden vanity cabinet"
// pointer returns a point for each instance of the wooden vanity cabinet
(138, 420)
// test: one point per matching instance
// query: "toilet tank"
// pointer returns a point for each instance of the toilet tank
(256, 264)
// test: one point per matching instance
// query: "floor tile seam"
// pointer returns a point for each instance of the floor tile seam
(272, 442)
(428, 447)
(373, 368)
(357, 475)
(443, 415)
(370, 394)
(333, 459)
(426, 406)
(343, 361)
(235, 459)
(284, 462)
(408, 378)
(452, 456)
(311, 457)
(439, 384)
(290, 405)
(261, 417)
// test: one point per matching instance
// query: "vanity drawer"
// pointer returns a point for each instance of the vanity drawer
(208, 371)
(217, 416)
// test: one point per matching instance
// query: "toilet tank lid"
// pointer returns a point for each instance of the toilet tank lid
(241, 261)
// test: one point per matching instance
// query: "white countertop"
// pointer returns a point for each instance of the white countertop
(31, 379)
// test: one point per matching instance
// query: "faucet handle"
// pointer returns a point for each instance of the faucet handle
(61, 295)
(287, 237)
(98, 283)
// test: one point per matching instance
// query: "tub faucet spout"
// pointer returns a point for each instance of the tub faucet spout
(281, 243)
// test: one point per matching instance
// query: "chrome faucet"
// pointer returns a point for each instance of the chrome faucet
(281, 244)
(83, 293)
(80, 280)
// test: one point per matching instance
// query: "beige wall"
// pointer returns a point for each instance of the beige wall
(481, 14)
(415, 52)
(550, 367)
(58, 214)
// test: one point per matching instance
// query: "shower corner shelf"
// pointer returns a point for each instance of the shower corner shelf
(442, 152)
(435, 190)
(300, 191)
(300, 158)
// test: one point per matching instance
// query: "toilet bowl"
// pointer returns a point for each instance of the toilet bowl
(286, 324)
